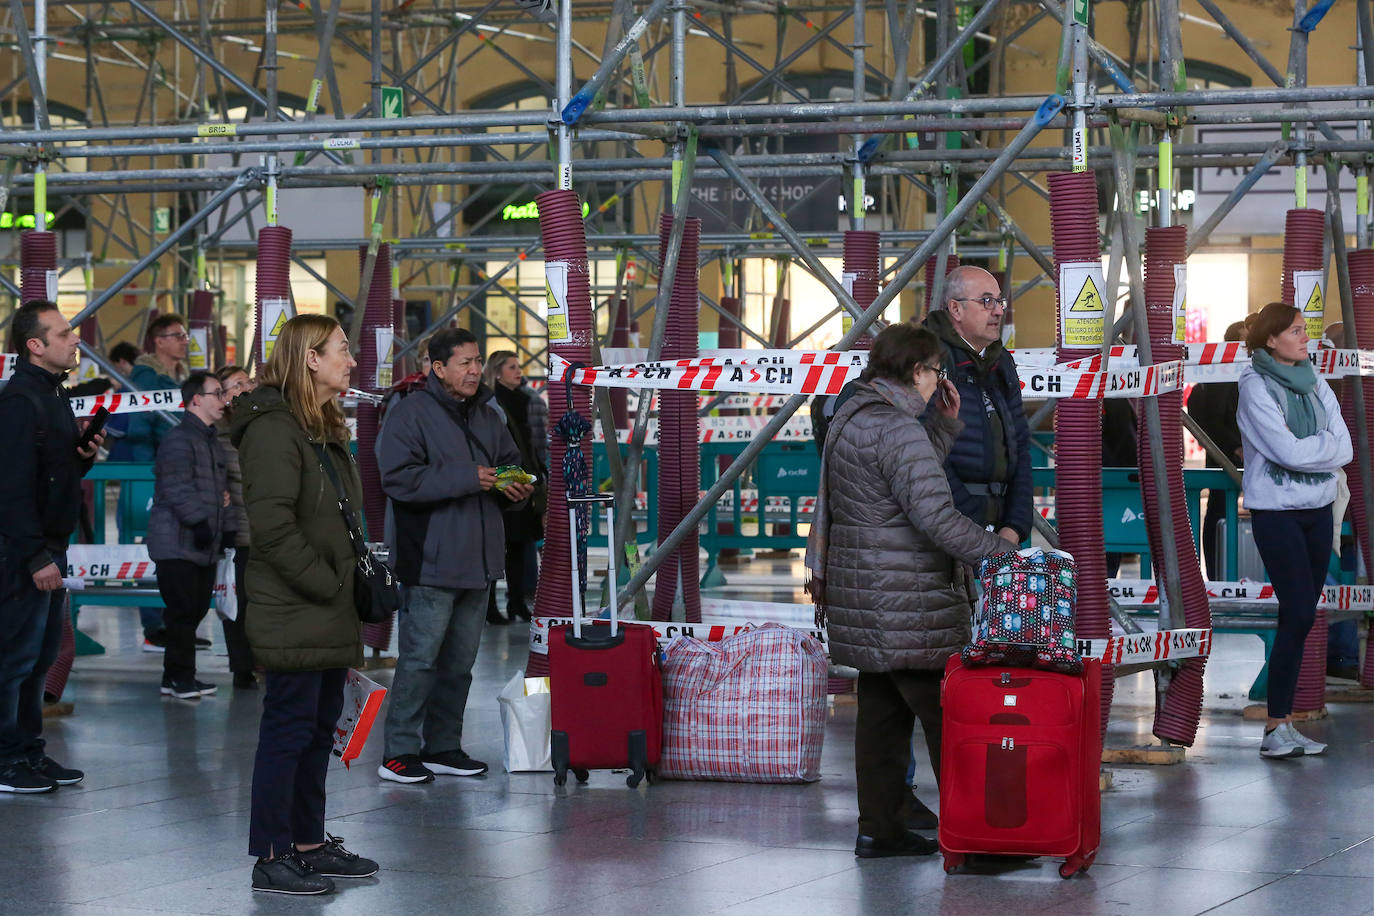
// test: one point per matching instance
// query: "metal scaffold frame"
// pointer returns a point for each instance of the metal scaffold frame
(1112, 105)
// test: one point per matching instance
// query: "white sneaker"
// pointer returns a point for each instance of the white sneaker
(1309, 747)
(1278, 743)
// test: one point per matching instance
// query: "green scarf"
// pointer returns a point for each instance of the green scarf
(1293, 388)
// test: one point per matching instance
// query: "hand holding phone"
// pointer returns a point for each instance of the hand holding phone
(94, 428)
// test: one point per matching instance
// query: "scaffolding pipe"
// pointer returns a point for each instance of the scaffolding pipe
(911, 265)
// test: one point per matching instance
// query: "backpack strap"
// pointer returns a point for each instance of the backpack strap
(40, 411)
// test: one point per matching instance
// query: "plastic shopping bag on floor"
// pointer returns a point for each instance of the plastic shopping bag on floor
(362, 701)
(526, 717)
(226, 592)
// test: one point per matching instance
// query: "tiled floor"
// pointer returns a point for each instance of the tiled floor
(160, 824)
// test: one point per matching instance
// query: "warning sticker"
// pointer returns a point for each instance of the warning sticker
(847, 281)
(1081, 310)
(386, 355)
(275, 314)
(1180, 303)
(556, 280)
(197, 349)
(1307, 296)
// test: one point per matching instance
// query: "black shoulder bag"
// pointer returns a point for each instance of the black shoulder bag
(376, 591)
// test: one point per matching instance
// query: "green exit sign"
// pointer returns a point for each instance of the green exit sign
(1080, 12)
(162, 220)
(391, 102)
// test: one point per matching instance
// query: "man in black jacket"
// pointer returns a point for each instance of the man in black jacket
(40, 499)
(189, 523)
(989, 467)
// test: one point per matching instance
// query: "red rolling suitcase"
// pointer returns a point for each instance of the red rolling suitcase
(1019, 764)
(606, 682)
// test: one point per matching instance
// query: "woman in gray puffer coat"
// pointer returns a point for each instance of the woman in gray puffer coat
(890, 549)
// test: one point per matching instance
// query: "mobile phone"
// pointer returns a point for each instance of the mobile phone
(94, 428)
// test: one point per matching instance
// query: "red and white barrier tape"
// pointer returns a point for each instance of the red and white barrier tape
(102, 562)
(825, 372)
(128, 402)
(727, 429)
(1144, 593)
(709, 630)
(1148, 647)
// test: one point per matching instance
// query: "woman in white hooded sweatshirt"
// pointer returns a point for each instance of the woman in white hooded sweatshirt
(1294, 442)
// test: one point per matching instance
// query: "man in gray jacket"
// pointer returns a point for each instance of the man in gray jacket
(438, 452)
(189, 522)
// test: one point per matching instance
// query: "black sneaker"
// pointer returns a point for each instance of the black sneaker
(289, 874)
(333, 861)
(20, 778)
(913, 844)
(453, 763)
(63, 776)
(202, 643)
(405, 768)
(182, 690)
(205, 689)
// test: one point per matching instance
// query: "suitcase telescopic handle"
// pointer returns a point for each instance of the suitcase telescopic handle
(587, 499)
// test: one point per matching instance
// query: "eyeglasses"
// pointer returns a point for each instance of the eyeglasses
(940, 373)
(179, 335)
(987, 302)
(216, 393)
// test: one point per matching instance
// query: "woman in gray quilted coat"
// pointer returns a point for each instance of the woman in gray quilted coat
(890, 550)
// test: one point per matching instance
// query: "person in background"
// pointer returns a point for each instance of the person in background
(438, 453)
(886, 554)
(302, 625)
(524, 525)
(1213, 405)
(189, 525)
(41, 468)
(161, 369)
(122, 356)
(1294, 441)
(234, 381)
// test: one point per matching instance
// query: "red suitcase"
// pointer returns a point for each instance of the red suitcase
(1021, 749)
(606, 682)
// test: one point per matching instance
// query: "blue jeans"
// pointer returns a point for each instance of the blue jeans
(30, 633)
(1295, 545)
(440, 629)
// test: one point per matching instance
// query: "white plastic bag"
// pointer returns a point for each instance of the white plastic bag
(362, 701)
(226, 586)
(526, 720)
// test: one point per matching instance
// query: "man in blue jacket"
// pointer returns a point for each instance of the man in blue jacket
(989, 467)
(40, 489)
(189, 524)
(438, 452)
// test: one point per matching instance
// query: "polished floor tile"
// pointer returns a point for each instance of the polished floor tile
(160, 823)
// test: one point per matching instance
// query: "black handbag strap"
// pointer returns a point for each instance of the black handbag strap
(355, 532)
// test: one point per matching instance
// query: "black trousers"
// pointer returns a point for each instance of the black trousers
(235, 636)
(516, 560)
(186, 589)
(295, 741)
(1295, 545)
(889, 704)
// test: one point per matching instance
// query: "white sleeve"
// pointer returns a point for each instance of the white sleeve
(1264, 428)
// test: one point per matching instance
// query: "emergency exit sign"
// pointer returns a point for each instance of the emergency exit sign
(1080, 12)
(391, 102)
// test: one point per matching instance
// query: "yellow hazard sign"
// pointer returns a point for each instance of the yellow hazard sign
(556, 280)
(1180, 306)
(197, 349)
(275, 314)
(1307, 296)
(385, 342)
(1082, 311)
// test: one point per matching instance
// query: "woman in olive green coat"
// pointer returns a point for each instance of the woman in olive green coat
(301, 621)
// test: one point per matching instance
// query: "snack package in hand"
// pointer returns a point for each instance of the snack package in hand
(512, 473)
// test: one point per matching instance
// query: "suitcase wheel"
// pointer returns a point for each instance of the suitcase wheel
(952, 862)
(580, 774)
(1072, 866)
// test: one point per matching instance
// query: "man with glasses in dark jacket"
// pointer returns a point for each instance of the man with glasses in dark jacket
(989, 467)
(188, 526)
(41, 468)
